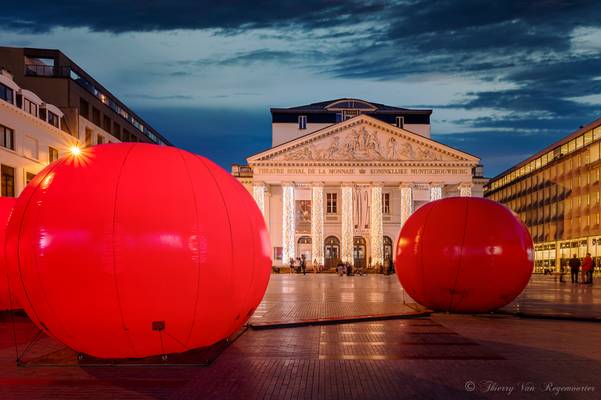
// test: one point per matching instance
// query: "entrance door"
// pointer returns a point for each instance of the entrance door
(304, 248)
(331, 252)
(359, 253)
(387, 248)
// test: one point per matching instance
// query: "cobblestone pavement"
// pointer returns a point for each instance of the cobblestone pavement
(546, 296)
(313, 296)
(439, 357)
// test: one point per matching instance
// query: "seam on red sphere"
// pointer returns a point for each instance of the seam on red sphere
(462, 247)
(197, 223)
(18, 246)
(117, 292)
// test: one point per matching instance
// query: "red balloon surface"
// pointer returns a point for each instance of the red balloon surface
(464, 254)
(133, 250)
(8, 300)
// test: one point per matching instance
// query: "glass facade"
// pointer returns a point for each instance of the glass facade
(557, 195)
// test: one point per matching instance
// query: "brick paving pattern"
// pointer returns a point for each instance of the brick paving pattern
(437, 357)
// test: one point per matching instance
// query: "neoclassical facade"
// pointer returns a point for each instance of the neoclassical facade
(343, 191)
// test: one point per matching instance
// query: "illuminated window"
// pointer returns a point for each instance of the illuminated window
(30, 107)
(8, 181)
(7, 137)
(52, 154)
(331, 203)
(7, 94)
(386, 203)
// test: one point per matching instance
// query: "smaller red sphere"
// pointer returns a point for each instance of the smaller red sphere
(8, 298)
(464, 254)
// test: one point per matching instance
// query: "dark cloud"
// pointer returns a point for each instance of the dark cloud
(135, 16)
(522, 47)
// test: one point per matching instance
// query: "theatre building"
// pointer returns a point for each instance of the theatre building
(556, 194)
(342, 176)
(49, 104)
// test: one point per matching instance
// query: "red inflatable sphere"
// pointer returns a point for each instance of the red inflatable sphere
(132, 250)
(8, 300)
(464, 254)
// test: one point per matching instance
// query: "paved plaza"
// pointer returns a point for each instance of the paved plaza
(437, 356)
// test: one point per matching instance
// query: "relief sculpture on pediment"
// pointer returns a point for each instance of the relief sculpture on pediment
(361, 145)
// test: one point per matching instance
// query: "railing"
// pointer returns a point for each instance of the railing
(68, 72)
(46, 70)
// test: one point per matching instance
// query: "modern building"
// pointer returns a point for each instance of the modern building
(90, 112)
(48, 104)
(556, 194)
(343, 175)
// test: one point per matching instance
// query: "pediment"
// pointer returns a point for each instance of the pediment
(362, 138)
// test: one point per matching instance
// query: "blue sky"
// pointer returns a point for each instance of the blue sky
(504, 78)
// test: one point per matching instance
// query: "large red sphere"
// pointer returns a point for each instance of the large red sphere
(464, 254)
(8, 300)
(132, 250)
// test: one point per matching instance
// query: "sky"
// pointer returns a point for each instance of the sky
(504, 78)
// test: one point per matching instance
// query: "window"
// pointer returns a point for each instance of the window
(116, 130)
(52, 119)
(84, 108)
(302, 122)
(386, 203)
(8, 181)
(99, 139)
(400, 122)
(7, 137)
(331, 203)
(106, 123)
(7, 94)
(30, 148)
(88, 138)
(28, 177)
(52, 154)
(30, 106)
(96, 116)
(338, 117)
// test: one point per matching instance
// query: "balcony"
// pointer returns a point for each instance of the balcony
(47, 70)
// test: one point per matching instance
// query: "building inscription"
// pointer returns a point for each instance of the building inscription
(362, 171)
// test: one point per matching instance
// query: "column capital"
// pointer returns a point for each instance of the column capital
(288, 183)
(348, 184)
(466, 185)
(406, 185)
(317, 184)
(437, 184)
(377, 184)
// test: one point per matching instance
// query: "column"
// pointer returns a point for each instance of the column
(317, 243)
(259, 196)
(346, 240)
(435, 191)
(376, 230)
(288, 228)
(406, 202)
(465, 189)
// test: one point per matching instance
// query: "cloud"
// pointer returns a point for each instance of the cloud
(508, 71)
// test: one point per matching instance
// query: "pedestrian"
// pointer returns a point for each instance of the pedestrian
(574, 267)
(590, 278)
(390, 266)
(562, 270)
(303, 264)
(587, 265)
(349, 269)
(340, 268)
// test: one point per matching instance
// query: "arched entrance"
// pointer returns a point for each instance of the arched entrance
(387, 242)
(304, 247)
(331, 252)
(359, 253)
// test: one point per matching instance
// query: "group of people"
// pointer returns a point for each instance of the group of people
(587, 265)
(299, 265)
